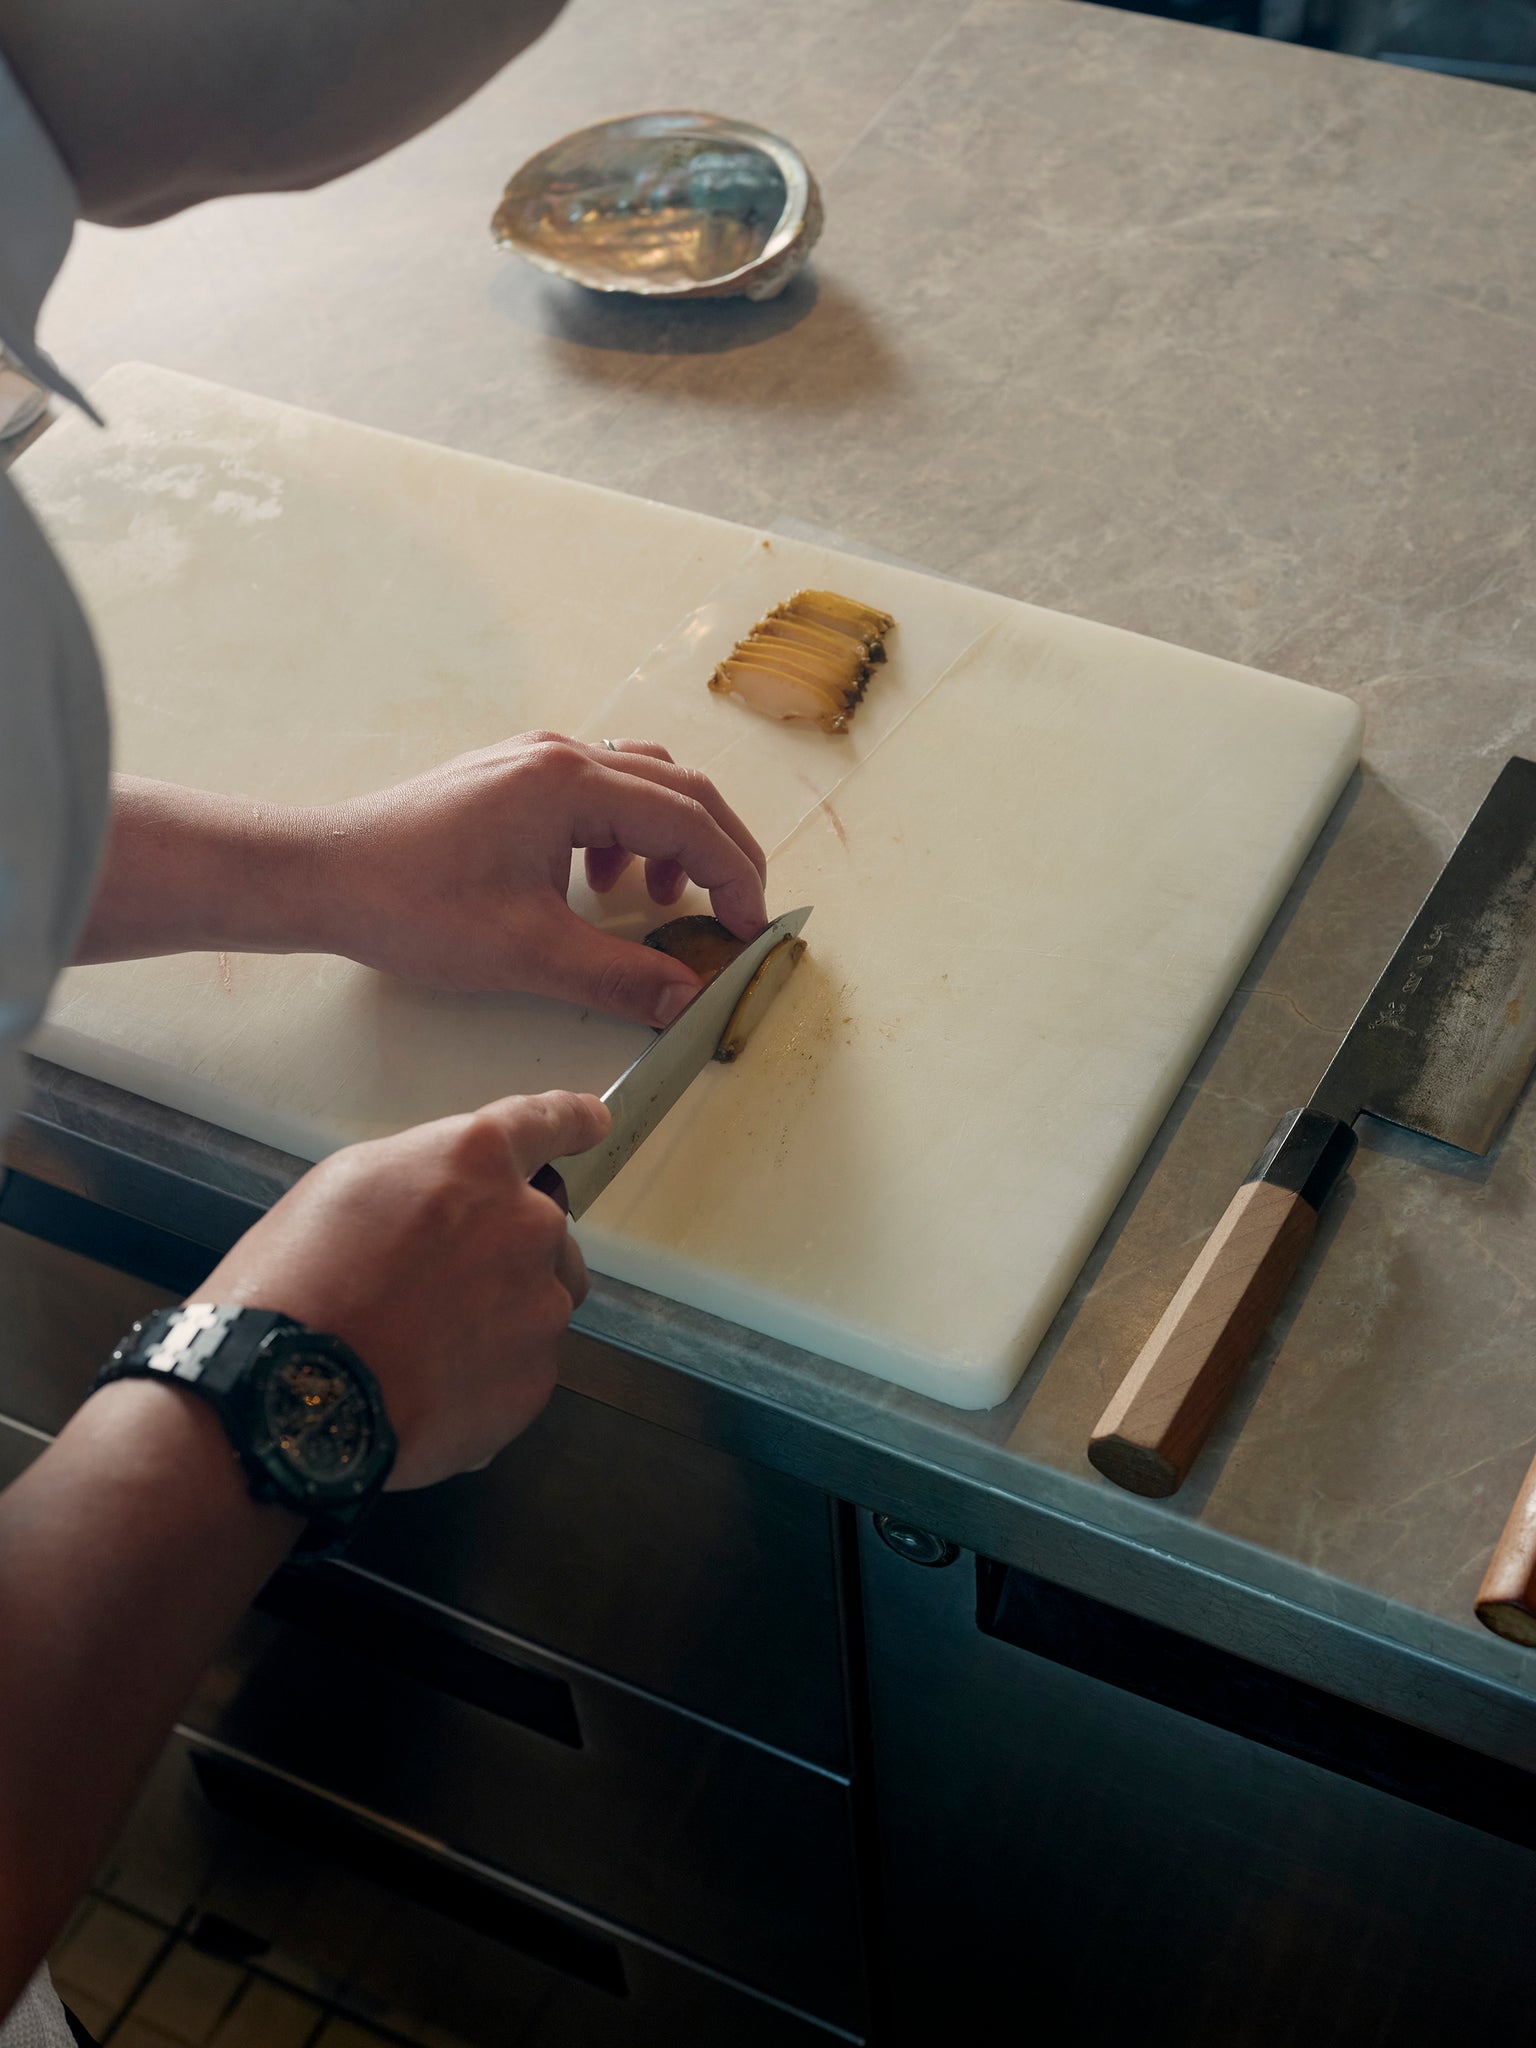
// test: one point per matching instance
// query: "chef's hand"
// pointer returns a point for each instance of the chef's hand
(458, 878)
(432, 1257)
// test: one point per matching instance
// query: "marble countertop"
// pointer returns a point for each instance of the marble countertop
(1208, 337)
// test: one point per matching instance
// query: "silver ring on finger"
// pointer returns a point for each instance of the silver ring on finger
(609, 745)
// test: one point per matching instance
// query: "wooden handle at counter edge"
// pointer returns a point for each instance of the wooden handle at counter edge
(1506, 1600)
(1167, 1404)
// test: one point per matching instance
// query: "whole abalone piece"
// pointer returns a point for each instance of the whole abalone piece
(673, 206)
(708, 947)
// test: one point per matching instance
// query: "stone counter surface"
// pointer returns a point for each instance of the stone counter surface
(1207, 337)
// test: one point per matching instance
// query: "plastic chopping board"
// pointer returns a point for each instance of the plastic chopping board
(1039, 861)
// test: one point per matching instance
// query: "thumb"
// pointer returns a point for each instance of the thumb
(539, 1128)
(617, 975)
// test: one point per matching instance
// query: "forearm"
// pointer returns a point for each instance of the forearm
(127, 1551)
(186, 871)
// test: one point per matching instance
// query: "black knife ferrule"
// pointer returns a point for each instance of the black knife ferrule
(1307, 1154)
(549, 1182)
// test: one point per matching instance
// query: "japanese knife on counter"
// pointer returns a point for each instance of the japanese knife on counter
(645, 1091)
(1443, 1046)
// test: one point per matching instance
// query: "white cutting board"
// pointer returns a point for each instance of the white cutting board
(1047, 851)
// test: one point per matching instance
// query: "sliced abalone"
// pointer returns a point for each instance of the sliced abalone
(808, 660)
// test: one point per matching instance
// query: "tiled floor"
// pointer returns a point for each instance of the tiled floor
(134, 1982)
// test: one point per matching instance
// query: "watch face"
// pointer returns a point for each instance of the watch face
(319, 1418)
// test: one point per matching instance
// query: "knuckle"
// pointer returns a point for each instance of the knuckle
(695, 817)
(617, 986)
(695, 787)
(341, 1175)
(555, 756)
(479, 1145)
(328, 1174)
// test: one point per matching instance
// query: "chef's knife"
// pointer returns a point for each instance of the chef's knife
(1444, 1045)
(644, 1092)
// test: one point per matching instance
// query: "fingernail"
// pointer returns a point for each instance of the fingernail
(672, 1002)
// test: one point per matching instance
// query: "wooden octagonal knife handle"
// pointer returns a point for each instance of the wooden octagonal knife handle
(1148, 1436)
(1506, 1600)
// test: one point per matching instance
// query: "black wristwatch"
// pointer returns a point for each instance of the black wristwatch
(302, 1411)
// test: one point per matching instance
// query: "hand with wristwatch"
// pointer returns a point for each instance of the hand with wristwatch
(304, 1416)
(393, 1319)
(453, 1373)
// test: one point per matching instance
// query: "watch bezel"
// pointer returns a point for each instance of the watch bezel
(225, 1355)
(284, 1478)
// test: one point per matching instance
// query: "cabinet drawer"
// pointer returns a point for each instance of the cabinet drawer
(338, 1903)
(1168, 1846)
(702, 1578)
(679, 1568)
(61, 1314)
(696, 1838)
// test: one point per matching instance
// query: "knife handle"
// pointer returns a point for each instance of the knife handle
(1167, 1404)
(1506, 1600)
(548, 1182)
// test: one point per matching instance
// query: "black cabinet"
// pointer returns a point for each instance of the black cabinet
(401, 1933)
(639, 1741)
(1102, 1845)
(535, 1770)
(601, 1682)
(704, 1579)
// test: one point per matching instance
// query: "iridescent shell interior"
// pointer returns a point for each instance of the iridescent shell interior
(678, 206)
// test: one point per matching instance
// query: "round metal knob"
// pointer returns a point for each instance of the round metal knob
(917, 1546)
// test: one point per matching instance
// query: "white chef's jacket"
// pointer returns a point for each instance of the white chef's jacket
(53, 716)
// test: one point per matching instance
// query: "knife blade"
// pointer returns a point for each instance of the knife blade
(646, 1090)
(1443, 1045)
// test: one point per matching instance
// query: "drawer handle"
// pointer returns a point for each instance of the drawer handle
(1265, 1707)
(422, 1872)
(430, 1646)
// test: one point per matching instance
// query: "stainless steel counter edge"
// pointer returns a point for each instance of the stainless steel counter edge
(863, 1441)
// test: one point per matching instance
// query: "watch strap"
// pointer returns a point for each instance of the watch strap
(208, 1348)
(199, 1343)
